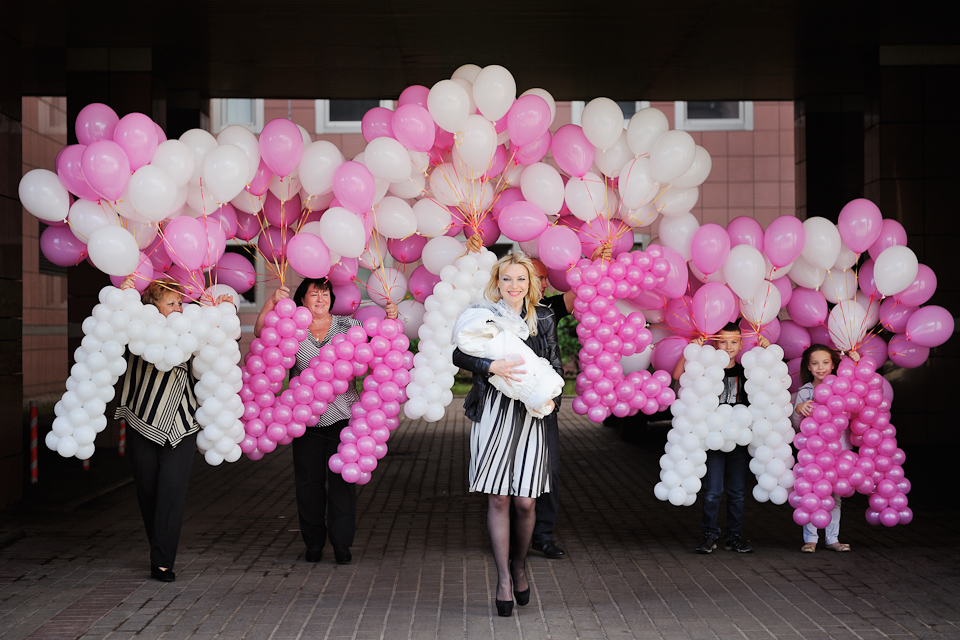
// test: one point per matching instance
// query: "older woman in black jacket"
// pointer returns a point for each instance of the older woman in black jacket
(509, 459)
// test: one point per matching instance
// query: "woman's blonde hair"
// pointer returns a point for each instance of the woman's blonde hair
(158, 288)
(533, 296)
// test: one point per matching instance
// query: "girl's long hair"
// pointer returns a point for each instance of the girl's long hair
(533, 296)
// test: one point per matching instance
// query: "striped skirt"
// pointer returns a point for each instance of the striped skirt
(508, 450)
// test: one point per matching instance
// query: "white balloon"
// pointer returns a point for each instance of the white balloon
(494, 91)
(895, 269)
(821, 248)
(113, 250)
(441, 251)
(449, 105)
(224, 172)
(394, 218)
(646, 125)
(586, 197)
(806, 274)
(176, 159)
(542, 186)
(671, 155)
(387, 159)
(246, 141)
(698, 171)
(839, 285)
(153, 193)
(602, 122)
(85, 216)
(676, 202)
(317, 164)
(200, 143)
(343, 231)
(475, 143)
(677, 233)
(42, 194)
(636, 186)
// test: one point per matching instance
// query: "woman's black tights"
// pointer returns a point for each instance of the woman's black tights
(510, 534)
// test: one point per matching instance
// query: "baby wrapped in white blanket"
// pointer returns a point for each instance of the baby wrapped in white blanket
(490, 332)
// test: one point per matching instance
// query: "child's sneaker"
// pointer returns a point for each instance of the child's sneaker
(708, 544)
(738, 544)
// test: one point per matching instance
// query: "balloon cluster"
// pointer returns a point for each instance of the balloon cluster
(269, 419)
(700, 423)
(768, 391)
(603, 387)
(364, 440)
(460, 283)
(121, 320)
(853, 397)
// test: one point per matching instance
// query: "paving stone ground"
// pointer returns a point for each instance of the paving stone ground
(423, 568)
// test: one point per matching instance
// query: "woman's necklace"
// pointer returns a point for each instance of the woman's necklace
(319, 329)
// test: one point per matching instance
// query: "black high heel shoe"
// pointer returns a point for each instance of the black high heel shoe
(522, 597)
(504, 608)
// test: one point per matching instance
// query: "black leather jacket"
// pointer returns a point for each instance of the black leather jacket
(544, 344)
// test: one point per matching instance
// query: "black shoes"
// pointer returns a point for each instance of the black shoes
(314, 554)
(504, 607)
(549, 549)
(163, 575)
(342, 554)
(738, 544)
(522, 597)
(708, 544)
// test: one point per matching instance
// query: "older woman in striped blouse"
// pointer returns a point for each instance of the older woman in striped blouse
(159, 406)
(318, 488)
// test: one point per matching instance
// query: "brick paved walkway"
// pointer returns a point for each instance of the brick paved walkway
(422, 566)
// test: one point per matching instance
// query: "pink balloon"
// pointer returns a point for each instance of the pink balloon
(186, 242)
(370, 311)
(676, 280)
(414, 94)
(248, 225)
(713, 306)
(602, 231)
(281, 145)
(745, 230)
(272, 243)
(344, 271)
(406, 250)
(106, 168)
(535, 151)
(354, 186)
(783, 240)
(96, 121)
(667, 352)
(874, 347)
(930, 326)
(226, 215)
(785, 287)
(770, 331)
(498, 164)
(347, 299)
(70, 172)
(894, 315)
(413, 127)
(528, 119)
(678, 316)
(376, 124)
(820, 334)
(281, 214)
(710, 248)
(488, 229)
(216, 241)
(522, 221)
(421, 283)
(807, 307)
(921, 289)
(61, 247)
(308, 255)
(865, 278)
(794, 339)
(505, 199)
(559, 247)
(572, 151)
(860, 223)
(157, 252)
(261, 179)
(136, 134)
(891, 233)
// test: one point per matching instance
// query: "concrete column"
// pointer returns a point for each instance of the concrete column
(12, 446)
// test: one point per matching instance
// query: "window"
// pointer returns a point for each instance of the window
(715, 115)
(344, 116)
(628, 107)
(246, 112)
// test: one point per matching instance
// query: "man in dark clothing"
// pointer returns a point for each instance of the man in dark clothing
(548, 504)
